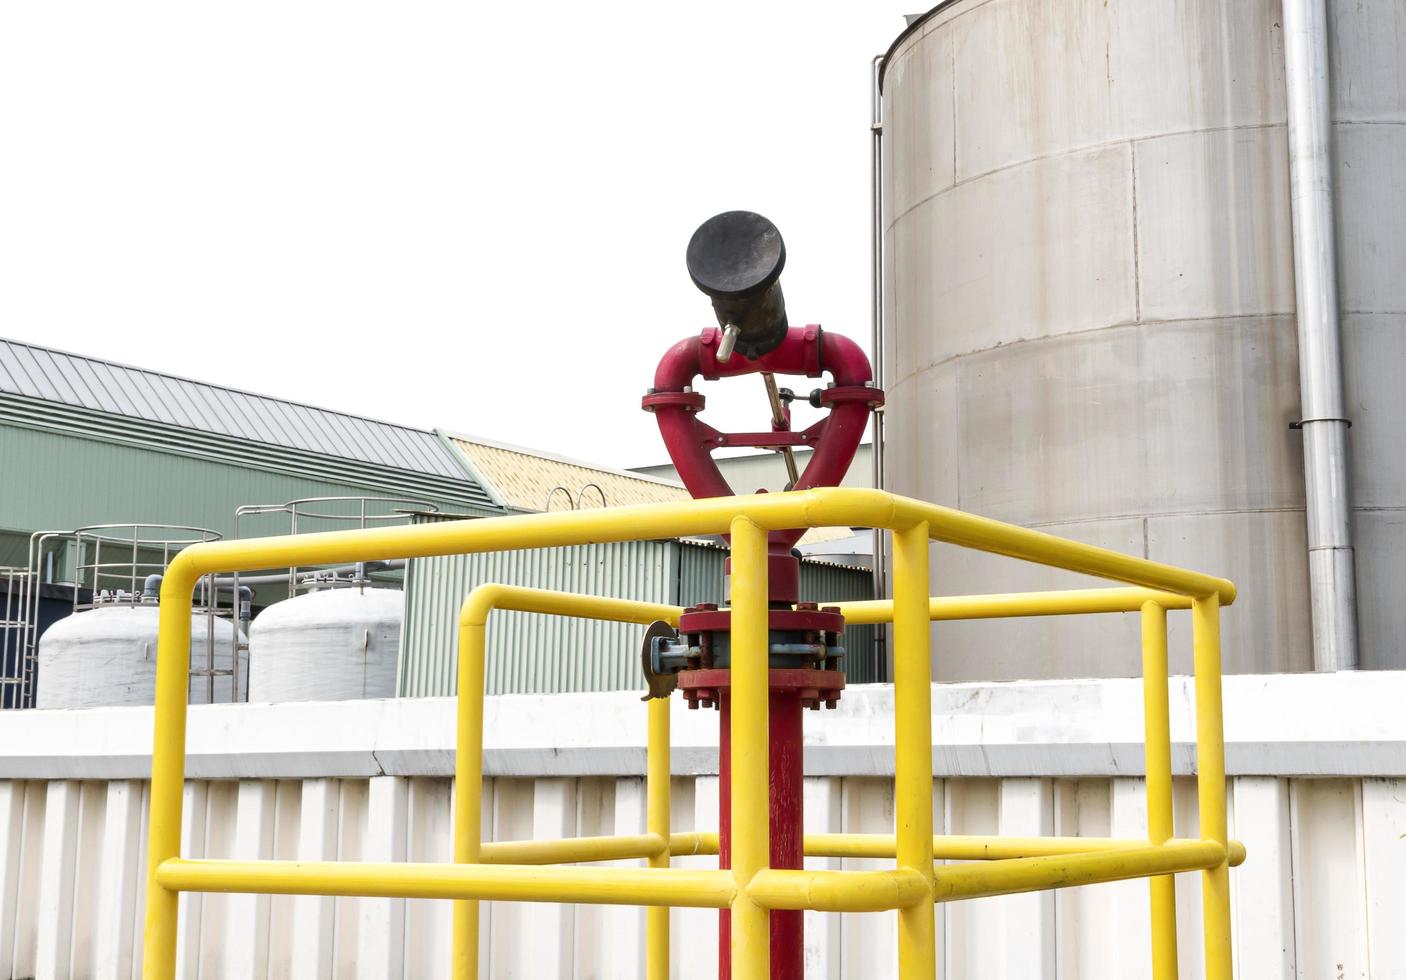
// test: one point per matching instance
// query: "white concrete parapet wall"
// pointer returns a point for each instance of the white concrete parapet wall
(1318, 767)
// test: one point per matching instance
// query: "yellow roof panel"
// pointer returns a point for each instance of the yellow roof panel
(533, 481)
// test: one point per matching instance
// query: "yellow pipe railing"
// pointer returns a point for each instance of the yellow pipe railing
(750, 888)
(1157, 753)
(1210, 784)
(978, 848)
(1152, 604)
(494, 882)
(841, 891)
(574, 850)
(468, 766)
(750, 774)
(1011, 605)
(980, 880)
(912, 721)
(961, 847)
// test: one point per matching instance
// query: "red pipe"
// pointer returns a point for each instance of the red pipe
(787, 828)
(806, 351)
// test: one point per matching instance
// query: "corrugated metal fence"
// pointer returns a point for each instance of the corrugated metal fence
(1322, 894)
(1319, 895)
(530, 653)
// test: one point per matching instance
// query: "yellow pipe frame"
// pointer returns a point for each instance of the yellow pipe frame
(912, 721)
(974, 848)
(1157, 752)
(578, 850)
(535, 871)
(500, 882)
(468, 768)
(1014, 605)
(574, 850)
(751, 775)
(657, 814)
(841, 891)
(1210, 784)
(984, 879)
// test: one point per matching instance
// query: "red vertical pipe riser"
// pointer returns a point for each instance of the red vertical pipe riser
(786, 802)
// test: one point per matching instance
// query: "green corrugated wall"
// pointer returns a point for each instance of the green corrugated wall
(529, 653)
(59, 480)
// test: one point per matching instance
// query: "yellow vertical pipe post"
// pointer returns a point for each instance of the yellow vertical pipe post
(751, 815)
(168, 760)
(1157, 738)
(1210, 782)
(468, 788)
(912, 709)
(657, 820)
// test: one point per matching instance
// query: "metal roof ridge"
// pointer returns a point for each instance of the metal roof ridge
(209, 384)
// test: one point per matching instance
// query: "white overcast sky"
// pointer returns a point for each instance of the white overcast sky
(470, 216)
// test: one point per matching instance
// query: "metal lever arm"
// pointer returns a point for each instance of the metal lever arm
(781, 422)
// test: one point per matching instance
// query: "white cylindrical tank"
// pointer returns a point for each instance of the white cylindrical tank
(332, 645)
(1089, 310)
(107, 656)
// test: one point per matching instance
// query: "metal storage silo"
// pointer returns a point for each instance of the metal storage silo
(332, 645)
(337, 637)
(107, 656)
(105, 652)
(1089, 307)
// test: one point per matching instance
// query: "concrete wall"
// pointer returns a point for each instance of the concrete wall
(1318, 796)
(1090, 305)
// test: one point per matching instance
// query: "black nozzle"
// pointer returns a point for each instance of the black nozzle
(736, 258)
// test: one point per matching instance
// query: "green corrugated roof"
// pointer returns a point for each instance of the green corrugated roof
(71, 389)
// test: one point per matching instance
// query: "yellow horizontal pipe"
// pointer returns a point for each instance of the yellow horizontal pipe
(982, 879)
(1069, 602)
(571, 850)
(501, 883)
(978, 848)
(838, 891)
(691, 843)
(995, 537)
(945, 847)
(823, 507)
(488, 597)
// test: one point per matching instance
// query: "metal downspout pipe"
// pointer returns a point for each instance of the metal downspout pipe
(1332, 586)
(876, 314)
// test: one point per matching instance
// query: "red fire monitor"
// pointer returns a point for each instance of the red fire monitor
(736, 258)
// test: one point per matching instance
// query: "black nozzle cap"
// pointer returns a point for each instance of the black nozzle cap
(736, 258)
(735, 254)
